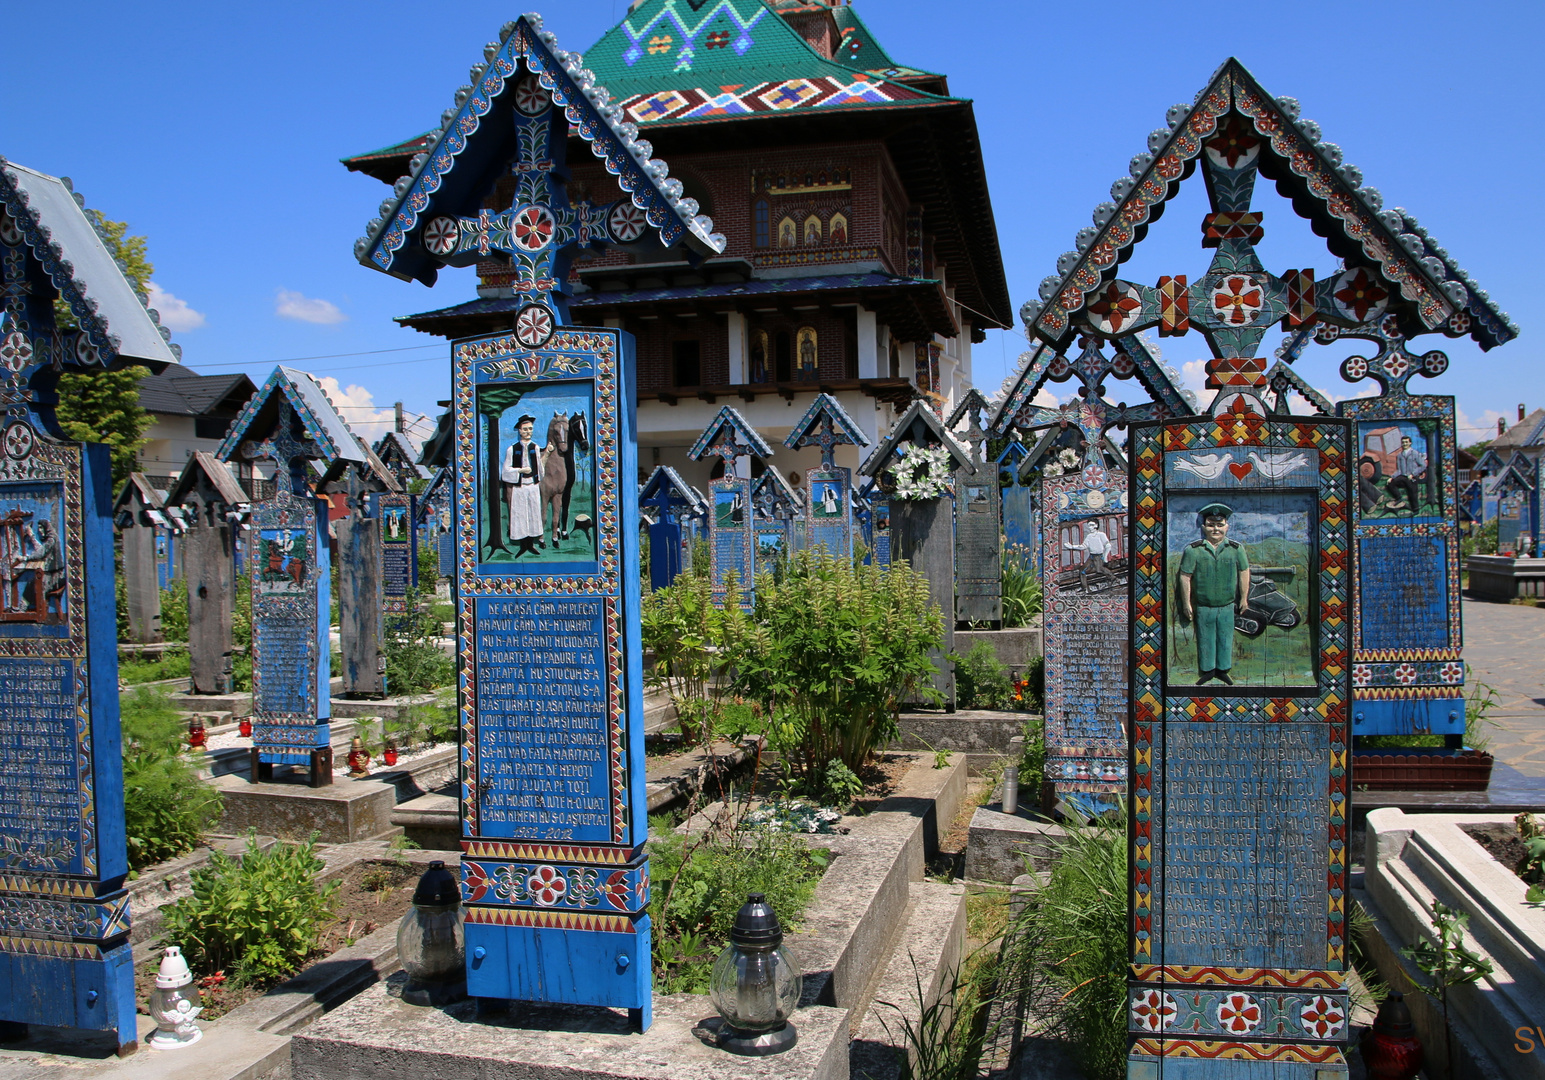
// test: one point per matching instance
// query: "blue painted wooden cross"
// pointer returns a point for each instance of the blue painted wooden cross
(674, 503)
(65, 957)
(731, 523)
(553, 873)
(829, 489)
(1245, 629)
(291, 422)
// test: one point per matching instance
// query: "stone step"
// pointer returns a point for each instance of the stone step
(999, 844)
(922, 968)
(983, 734)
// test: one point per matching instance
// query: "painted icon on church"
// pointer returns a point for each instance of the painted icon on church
(808, 352)
(1398, 470)
(1240, 567)
(536, 457)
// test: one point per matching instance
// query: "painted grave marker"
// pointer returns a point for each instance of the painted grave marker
(915, 468)
(553, 874)
(732, 538)
(434, 518)
(673, 502)
(777, 518)
(360, 538)
(1017, 496)
(978, 522)
(213, 503)
(65, 958)
(1243, 629)
(140, 514)
(291, 423)
(828, 490)
(1085, 557)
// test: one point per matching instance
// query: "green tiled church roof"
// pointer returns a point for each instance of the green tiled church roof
(683, 60)
(859, 50)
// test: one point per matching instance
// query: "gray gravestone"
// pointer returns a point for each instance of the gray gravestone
(140, 514)
(922, 528)
(360, 614)
(211, 501)
(978, 524)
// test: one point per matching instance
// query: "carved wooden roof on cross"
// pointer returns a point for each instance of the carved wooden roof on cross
(972, 408)
(282, 446)
(730, 438)
(435, 216)
(825, 424)
(1391, 266)
(1087, 409)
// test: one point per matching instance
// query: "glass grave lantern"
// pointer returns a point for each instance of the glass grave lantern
(174, 1003)
(755, 984)
(431, 942)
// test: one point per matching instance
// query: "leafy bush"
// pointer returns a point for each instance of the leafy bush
(1021, 586)
(1029, 689)
(1074, 928)
(841, 784)
(429, 561)
(699, 886)
(241, 613)
(259, 915)
(166, 806)
(427, 723)
(695, 645)
(1482, 539)
(415, 662)
(981, 681)
(174, 611)
(834, 648)
(1032, 760)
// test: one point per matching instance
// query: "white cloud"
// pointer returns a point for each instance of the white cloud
(1193, 376)
(358, 407)
(1474, 429)
(174, 311)
(1044, 398)
(302, 308)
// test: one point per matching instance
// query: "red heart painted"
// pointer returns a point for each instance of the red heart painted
(1240, 469)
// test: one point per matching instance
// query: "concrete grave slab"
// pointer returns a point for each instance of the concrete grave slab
(376, 1036)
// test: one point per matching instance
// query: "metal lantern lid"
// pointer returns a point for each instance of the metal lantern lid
(756, 925)
(437, 888)
(1394, 1016)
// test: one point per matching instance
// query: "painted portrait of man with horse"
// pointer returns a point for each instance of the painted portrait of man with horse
(539, 450)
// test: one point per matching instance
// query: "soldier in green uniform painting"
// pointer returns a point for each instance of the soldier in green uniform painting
(1213, 583)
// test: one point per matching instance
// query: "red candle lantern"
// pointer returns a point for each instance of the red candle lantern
(197, 736)
(389, 755)
(359, 758)
(245, 727)
(1391, 1049)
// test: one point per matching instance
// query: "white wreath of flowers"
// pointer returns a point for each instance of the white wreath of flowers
(923, 473)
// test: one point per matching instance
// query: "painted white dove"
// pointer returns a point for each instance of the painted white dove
(1206, 466)
(1276, 466)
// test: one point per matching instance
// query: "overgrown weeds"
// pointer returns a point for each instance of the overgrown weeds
(259, 916)
(167, 807)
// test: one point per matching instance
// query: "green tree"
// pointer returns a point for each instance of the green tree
(97, 405)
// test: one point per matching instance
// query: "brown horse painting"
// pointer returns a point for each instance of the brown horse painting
(565, 435)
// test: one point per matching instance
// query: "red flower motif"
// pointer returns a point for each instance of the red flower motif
(546, 886)
(1234, 142)
(1322, 1017)
(1239, 1014)
(1116, 306)
(1360, 294)
(1405, 674)
(1238, 300)
(1153, 1010)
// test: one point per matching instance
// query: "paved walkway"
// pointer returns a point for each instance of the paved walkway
(1505, 648)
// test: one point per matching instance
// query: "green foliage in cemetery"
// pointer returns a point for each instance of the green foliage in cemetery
(831, 652)
(259, 916)
(981, 680)
(241, 613)
(1032, 760)
(1482, 539)
(415, 660)
(1021, 587)
(429, 562)
(1447, 962)
(174, 611)
(840, 785)
(167, 807)
(1072, 931)
(701, 882)
(135, 669)
(695, 645)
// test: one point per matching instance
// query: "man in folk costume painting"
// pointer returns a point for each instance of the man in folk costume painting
(522, 479)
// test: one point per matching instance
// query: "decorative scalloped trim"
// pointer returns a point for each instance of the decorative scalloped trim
(586, 106)
(825, 405)
(731, 416)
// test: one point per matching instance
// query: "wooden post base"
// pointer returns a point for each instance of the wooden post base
(10, 1031)
(319, 773)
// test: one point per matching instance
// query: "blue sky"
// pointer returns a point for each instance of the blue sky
(215, 129)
